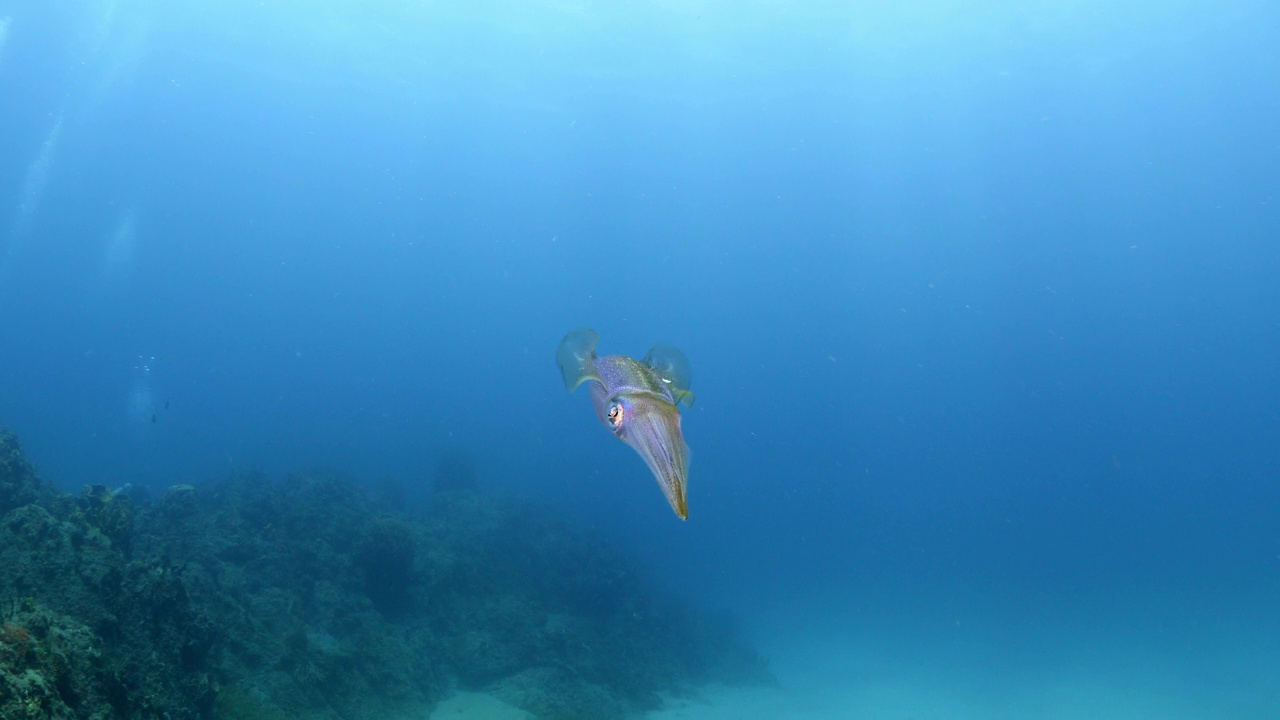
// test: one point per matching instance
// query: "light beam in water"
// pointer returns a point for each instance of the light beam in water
(117, 259)
(34, 185)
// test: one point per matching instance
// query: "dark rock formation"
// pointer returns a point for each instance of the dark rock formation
(312, 597)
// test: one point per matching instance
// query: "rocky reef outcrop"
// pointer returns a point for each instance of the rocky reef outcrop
(315, 596)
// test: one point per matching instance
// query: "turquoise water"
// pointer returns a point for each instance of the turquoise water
(980, 301)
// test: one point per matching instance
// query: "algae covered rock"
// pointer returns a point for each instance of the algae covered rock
(313, 596)
(386, 561)
(556, 619)
(61, 563)
(300, 577)
(51, 666)
(87, 632)
(19, 484)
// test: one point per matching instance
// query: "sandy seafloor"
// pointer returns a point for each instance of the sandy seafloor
(1221, 662)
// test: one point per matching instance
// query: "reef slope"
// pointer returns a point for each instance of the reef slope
(314, 596)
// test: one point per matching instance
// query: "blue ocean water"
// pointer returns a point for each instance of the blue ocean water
(981, 299)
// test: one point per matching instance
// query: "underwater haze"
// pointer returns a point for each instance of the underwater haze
(982, 303)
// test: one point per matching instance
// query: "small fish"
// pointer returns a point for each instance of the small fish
(639, 402)
(153, 417)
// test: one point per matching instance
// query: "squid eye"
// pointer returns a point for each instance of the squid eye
(615, 416)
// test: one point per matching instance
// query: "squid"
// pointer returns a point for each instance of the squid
(639, 401)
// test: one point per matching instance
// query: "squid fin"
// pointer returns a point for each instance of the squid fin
(576, 357)
(672, 368)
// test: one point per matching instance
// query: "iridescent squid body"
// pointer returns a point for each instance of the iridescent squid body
(638, 400)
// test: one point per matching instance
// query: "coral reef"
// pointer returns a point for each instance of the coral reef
(107, 635)
(313, 596)
(18, 482)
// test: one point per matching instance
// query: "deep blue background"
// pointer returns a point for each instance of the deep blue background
(977, 296)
